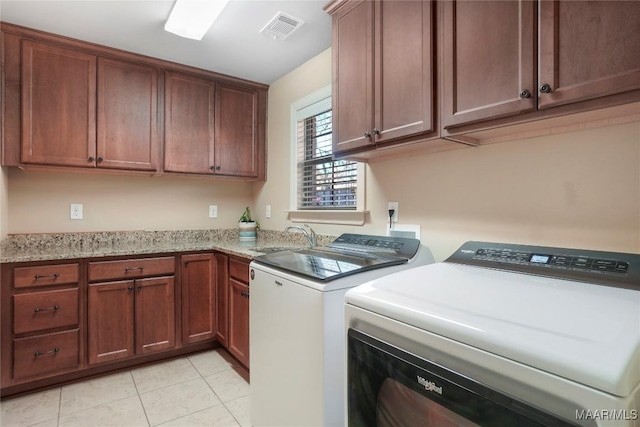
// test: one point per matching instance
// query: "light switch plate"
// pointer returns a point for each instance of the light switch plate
(213, 211)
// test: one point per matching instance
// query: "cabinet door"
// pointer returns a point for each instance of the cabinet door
(403, 74)
(353, 76)
(188, 124)
(58, 106)
(155, 315)
(198, 297)
(239, 320)
(127, 115)
(236, 139)
(489, 60)
(111, 335)
(588, 49)
(222, 300)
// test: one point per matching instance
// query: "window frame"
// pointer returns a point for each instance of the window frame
(317, 102)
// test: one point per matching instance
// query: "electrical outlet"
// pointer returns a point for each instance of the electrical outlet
(394, 206)
(267, 212)
(75, 211)
(213, 211)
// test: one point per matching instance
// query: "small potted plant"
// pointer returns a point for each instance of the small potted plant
(248, 228)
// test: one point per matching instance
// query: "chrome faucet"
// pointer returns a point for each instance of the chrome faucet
(310, 235)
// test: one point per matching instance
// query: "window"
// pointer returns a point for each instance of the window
(323, 183)
(322, 190)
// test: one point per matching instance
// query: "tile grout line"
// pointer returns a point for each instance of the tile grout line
(59, 406)
(139, 397)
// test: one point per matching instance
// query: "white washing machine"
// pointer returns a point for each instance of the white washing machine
(297, 324)
(498, 335)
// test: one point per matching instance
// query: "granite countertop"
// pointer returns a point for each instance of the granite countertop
(58, 246)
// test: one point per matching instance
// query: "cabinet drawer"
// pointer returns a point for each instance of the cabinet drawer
(131, 268)
(45, 354)
(45, 275)
(239, 270)
(44, 310)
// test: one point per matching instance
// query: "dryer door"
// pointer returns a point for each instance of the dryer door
(390, 387)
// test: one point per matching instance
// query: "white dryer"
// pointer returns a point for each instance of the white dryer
(498, 335)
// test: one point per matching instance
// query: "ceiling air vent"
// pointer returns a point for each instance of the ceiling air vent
(281, 26)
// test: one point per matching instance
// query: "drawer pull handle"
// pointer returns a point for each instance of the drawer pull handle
(53, 308)
(244, 294)
(128, 269)
(42, 353)
(47, 276)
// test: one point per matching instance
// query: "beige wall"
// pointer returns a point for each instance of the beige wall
(39, 202)
(579, 189)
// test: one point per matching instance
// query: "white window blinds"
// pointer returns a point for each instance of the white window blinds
(322, 182)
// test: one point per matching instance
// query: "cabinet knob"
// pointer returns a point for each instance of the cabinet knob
(90, 159)
(545, 88)
(525, 94)
(376, 131)
(218, 167)
(130, 288)
(139, 288)
(100, 159)
(367, 135)
(212, 168)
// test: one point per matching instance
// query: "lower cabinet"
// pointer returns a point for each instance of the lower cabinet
(59, 320)
(199, 274)
(130, 313)
(41, 325)
(238, 340)
(130, 317)
(222, 303)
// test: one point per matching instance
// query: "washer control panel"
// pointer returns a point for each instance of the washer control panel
(609, 268)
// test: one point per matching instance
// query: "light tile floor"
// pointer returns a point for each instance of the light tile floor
(204, 389)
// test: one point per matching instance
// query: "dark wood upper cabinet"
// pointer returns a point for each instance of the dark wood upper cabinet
(404, 70)
(498, 64)
(68, 103)
(213, 128)
(353, 76)
(127, 116)
(188, 124)
(236, 132)
(58, 105)
(489, 60)
(588, 49)
(383, 72)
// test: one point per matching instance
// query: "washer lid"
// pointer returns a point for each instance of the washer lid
(583, 332)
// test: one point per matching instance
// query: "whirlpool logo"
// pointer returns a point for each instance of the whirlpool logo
(429, 385)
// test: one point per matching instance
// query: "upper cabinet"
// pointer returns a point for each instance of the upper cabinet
(213, 128)
(60, 122)
(188, 129)
(237, 145)
(497, 63)
(587, 50)
(74, 104)
(127, 116)
(58, 105)
(383, 75)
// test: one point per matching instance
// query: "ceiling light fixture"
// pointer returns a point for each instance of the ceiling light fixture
(192, 18)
